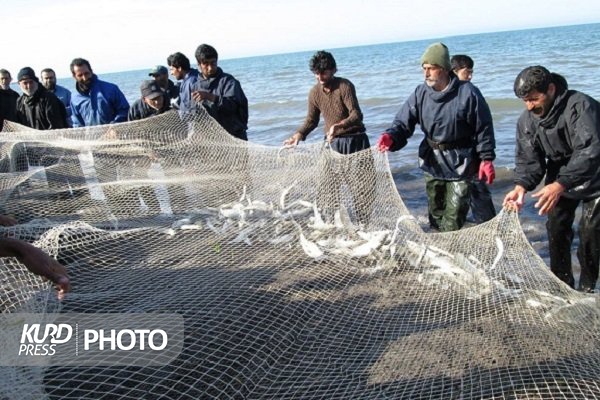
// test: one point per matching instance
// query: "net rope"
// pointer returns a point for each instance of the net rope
(300, 273)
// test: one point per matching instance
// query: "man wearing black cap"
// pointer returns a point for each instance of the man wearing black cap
(457, 124)
(38, 108)
(160, 74)
(152, 102)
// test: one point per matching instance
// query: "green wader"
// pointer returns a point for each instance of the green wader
(448, 203)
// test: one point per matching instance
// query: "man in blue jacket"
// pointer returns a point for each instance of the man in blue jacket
(95, 102)
(181, 70)
(457, 124)
(220, 93)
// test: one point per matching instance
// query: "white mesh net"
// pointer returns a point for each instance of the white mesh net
(300, 274)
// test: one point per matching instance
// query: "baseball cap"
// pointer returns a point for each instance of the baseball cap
(150, 89)
(158, 70)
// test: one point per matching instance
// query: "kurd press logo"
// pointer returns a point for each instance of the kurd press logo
(90, 339)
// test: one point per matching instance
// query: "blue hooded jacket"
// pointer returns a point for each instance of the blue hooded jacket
(104, 104)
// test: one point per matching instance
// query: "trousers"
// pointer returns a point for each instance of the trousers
(560, 239)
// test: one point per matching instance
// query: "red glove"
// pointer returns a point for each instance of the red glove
(486, 169)
(385, 142)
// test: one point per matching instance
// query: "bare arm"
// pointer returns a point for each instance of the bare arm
(37, 262)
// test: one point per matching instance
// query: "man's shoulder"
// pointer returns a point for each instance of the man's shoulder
(105, 85)
(61, 89)
(577, 96)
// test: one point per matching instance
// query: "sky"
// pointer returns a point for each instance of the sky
(122, 35)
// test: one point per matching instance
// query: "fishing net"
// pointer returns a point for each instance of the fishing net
(300, 274)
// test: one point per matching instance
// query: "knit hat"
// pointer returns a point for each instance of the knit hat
(26, 73)
(150, 90)
(437, 54)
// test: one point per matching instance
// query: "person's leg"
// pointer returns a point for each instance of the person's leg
(482, 205)
(360, 176)
(328, 186)
(588, 252)
(456, 205)
(560, 237)
(436, 199)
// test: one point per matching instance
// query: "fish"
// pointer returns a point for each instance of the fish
(310, 248)
(281, 239)
(373, 241)
(317, 222)
(190, 227)
(500, 246)
(284, 193)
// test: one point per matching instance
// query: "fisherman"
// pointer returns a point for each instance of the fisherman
(220, 93)
(8, 98)
(153, 102)
(181, 70)
(335, 98)
(558, 137)
(457, 124)
(95, 102)
(38, 108)
(480, 201)
(160, 74)
(48, 78)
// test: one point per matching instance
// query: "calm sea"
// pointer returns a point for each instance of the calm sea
(384, 76)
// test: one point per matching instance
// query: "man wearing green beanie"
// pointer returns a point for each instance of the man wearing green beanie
(457, 124)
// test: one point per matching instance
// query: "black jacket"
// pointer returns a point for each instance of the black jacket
(230, 108)
(41, 111)
(564, 146)
(8, 105)
(140, 110)
(458, 129)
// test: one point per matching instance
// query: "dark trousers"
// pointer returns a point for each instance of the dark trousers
(482, 205)
(560, 238)
(358, 173)
(448, 203)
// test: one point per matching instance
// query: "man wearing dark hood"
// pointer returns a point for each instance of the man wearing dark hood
(558, 137)
(457, 124)
(37, 107)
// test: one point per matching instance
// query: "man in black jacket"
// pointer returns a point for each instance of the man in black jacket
(8, 98)
(220, 93)
(558, 137)
(459, 137)
(153, 102)
(37, 107)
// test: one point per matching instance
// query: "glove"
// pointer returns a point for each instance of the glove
(486, 169)
(385, 142)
